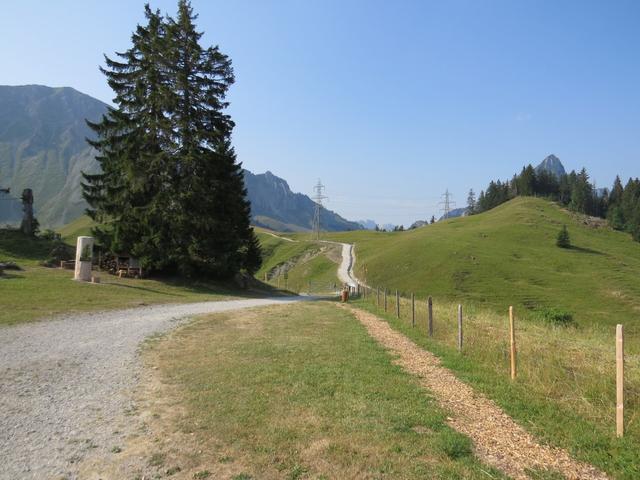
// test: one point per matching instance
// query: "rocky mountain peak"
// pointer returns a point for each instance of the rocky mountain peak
(552, 164)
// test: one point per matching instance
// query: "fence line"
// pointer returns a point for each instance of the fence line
(412, 315)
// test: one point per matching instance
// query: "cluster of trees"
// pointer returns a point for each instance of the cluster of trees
(620, 205)
(170, 190)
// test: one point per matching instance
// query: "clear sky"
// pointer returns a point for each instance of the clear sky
(388, 102)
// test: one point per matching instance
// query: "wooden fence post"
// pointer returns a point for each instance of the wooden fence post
(397, 304)
(430, 319)
(619, 380)
(460, 327)
(385, 299)
(512, 338)
(413, 310)
(378, 297)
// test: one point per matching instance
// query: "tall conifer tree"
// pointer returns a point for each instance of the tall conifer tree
(171, 191)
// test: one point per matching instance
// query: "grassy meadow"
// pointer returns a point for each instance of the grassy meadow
(81, 226)
(507, 256)
(38, 292)
(310, 405)
(565, 390)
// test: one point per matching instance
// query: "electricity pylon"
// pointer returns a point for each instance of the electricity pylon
(318, 198)
(447, 203)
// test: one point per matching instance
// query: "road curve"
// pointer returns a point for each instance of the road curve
(65, 383)
(345, 270)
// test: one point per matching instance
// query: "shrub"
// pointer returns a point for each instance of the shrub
(563, 240)
(50, 235)
(555, 316)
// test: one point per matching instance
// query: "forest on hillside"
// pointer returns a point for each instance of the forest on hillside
(620, 205)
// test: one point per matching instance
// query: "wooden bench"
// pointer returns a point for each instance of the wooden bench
(135, 272)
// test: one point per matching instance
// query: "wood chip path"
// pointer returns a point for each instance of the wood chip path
(498, 440)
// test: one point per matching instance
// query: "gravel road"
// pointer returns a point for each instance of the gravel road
(65, 384)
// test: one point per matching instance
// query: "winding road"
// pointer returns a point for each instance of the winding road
(65, 383)
(345, 270)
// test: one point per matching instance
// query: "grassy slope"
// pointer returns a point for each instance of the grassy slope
(79, 227)
(508, 256)
(37, 292)
(565, 391)
(320, 270)
(310, 406)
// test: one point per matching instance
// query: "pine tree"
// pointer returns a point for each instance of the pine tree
(171, 191)
(471, 202)
(563, 240)
(129, 196)
(615, 197)
(527, 181)
(582, 194)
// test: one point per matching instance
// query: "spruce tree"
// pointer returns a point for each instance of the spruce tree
(129, 198)
(471, 202)
(563, 240)
(171, 191)
(213, 226)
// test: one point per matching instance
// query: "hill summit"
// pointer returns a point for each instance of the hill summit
(551, 164)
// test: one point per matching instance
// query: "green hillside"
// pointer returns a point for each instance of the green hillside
(507, 256)
(77, 228)
(43, 147)
(310, 266)
(565, 390)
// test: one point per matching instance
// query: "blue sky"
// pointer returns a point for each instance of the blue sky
(388, 102)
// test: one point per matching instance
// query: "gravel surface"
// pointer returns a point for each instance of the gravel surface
(65, 384)
(345, 270)
(497, 438)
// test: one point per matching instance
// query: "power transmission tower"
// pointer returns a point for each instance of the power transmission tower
(318, 198)
(447, 203)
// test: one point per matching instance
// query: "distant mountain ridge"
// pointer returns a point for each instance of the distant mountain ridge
(43, 147)
(368, 224)
(275, 206)
(456, 212)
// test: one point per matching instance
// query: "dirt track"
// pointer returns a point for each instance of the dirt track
(65, 384)
(499, 441)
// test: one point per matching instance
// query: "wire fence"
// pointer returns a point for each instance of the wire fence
(576, 367)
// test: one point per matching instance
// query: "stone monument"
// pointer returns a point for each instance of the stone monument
(84, 259)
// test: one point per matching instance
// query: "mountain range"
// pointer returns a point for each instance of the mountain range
(43, 146)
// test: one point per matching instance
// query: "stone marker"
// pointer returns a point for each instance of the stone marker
(84, 257)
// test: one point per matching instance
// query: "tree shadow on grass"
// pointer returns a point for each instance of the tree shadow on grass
(585, 250)
(145, 289)
(205, 288)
